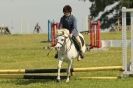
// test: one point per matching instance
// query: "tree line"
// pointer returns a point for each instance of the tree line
(100, 5)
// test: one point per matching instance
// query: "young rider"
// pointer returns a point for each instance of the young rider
(68, 21)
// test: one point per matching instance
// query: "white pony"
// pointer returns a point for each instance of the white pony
(66, 51)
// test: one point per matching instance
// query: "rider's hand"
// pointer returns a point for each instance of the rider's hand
(70, 35)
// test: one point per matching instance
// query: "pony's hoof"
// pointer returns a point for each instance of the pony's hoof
(58, 80)
(79, 58)
(67, 81)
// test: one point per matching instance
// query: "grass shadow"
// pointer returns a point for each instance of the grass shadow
(45, 41)
(24, 82)
(31, 81)
(46, 80)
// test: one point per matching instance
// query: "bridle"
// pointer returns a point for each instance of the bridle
(65, 42)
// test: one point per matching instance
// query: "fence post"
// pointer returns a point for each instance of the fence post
(98, 34)
(124, 39)
(53, 32)
(49, 30)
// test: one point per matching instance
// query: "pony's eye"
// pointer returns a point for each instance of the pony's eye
(62, 39)
(56, 39)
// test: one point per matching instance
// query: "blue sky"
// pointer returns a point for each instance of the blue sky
(22, 15)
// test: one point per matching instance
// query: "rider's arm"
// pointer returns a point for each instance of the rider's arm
(74, 23)
(61, 22)
(74, 30)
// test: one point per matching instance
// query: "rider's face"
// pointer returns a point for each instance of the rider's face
(67, 13)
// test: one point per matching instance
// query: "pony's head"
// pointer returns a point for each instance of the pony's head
(62, 35)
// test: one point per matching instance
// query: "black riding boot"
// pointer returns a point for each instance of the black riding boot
(81, 54)
(79, 46)
(56, 55)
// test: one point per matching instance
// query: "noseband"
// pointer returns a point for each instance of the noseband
(66, 43)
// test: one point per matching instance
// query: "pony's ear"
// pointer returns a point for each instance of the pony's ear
(66, 36)
(59, 32)
(63, 33)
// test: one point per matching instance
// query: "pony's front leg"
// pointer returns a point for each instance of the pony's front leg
(69, 70)
(59, 68)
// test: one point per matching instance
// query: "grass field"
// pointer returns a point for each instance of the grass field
(27, 51)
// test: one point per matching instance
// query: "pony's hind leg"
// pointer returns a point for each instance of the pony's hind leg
(78, 58)
(69, 70)
(59, 68)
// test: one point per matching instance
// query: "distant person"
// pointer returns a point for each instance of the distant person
(37, 28)
(7, 31)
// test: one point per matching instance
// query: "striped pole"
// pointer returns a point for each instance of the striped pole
(98, 34)
(45, 73)
(29, 76)
(92, 35)
(95, 34)
(53, 32)
(41, 76)
(22, 71)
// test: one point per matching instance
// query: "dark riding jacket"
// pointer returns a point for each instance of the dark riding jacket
(70, 23)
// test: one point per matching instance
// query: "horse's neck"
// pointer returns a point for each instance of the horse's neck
(67, 46)
(68, 43)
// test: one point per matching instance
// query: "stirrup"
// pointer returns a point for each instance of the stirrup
(56, 56)
(81, 55)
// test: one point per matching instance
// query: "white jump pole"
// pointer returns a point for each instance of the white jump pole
(124, 41)
(132, 41)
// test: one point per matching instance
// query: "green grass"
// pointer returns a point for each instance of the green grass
(27, 51)
(110, 36)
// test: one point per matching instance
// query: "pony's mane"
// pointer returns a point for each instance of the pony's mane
(63, 32)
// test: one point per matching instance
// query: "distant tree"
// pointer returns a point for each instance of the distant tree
(127, 3)
(100, 5)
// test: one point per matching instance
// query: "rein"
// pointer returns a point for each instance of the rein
(60, 43)
(65, 42)
(70, 44)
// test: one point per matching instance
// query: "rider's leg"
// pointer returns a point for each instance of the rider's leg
(80, 46)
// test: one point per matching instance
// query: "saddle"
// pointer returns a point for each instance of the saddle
(77, 46)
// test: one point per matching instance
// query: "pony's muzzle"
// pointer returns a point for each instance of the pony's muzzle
(57, 47)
